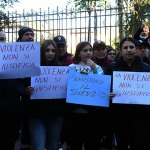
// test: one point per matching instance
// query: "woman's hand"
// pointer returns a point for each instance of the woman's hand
(29, 90)
(91, 64)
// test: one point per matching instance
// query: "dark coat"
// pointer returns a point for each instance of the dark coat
(10, 92)
(120, 65)
(137, 66)
(41, 108)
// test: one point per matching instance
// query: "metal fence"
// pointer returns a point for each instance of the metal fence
(87, 25)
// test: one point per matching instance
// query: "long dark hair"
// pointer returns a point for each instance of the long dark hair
(79, 47)
(44, 45)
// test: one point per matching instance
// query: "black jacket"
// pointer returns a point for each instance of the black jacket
(10, 92)
(120, 65)
(41, 108)
(137, 66)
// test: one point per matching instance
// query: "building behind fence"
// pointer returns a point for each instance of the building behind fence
(76, 26)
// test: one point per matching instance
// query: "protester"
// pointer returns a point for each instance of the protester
(100, 54)
(131, 121)
(10, 92)
(106, 134)
(142, 50)
(111, 55)
(142, 33)
(26, 34)
(46, 116)
(65, 58)
(82, 119)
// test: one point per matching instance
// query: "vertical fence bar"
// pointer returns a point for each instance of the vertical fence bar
(73, 23)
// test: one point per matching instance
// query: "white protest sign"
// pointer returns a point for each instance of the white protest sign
(51, 84)
(19, 59)
(131, 87)
(88, 89)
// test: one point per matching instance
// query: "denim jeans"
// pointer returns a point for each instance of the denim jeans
(45, 133)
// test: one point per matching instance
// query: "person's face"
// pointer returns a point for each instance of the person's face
(100, 53)
(111, 55)
(62, 49)
(86, 53)
(142, 51)
(2, 37)
(128, 51)
(50, 53)
(28, 37)
(144, 32)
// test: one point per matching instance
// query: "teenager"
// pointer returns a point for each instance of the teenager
(131, 121)
(46, 117)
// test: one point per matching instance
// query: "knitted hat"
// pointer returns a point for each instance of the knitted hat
(23, 30)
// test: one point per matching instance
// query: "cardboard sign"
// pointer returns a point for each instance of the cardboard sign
(88, 89)
(51, 84)
(131, 87)
(19, 59)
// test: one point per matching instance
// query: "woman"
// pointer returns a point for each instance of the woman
(46, 116)
(131, 122)
(82, 119)
(111, 55)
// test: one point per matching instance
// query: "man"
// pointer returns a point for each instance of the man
(10, 92)
(65, 58)
(142, 33)
(100, 54)
(142, 50)
(26, 34)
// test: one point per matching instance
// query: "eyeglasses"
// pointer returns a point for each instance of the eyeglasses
(2, 39)
(111, 53)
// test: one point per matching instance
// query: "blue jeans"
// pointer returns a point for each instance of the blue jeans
(45, 133)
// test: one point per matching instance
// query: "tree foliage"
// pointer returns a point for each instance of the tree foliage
(131, 13)
(139, 12)
(9, 3)
(4, 20)
(86, 4)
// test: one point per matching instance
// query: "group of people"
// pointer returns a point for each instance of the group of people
(45, 124)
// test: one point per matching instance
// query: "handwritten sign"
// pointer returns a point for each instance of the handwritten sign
(51, 84)
(88, 89)
(19, 59)
(131, 87)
